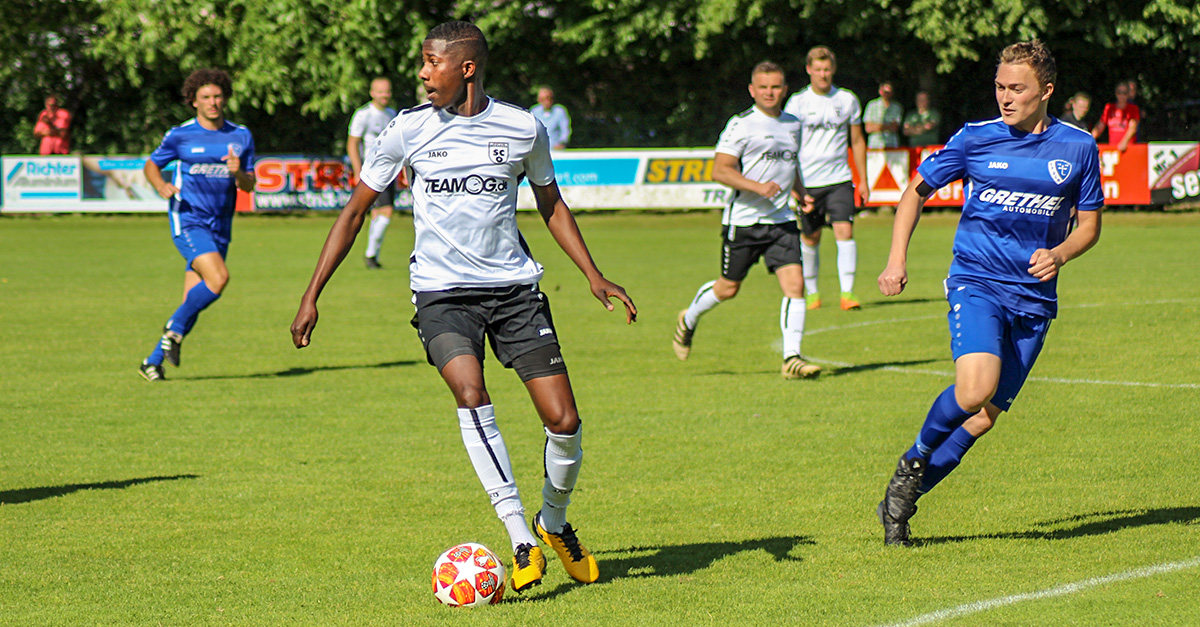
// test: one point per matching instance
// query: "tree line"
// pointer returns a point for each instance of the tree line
(632, 72)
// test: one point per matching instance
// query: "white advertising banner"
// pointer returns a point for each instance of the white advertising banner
(33, 181)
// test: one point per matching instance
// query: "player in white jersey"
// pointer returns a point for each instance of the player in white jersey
(367, 123)
(832, 119)
(757, 156)
(473, 278)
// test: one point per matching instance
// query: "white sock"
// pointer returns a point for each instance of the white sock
(812, 265)
(563, 457)
(485, 447)
(847, 263)
(791, 320)
(375, 234)
(705, 300)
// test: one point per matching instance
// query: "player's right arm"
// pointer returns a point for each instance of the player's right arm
(727, 171)
(908, 212)
(337, 245)
(354, 152)
(164, 154)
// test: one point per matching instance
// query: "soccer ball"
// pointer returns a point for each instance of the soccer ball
(468, 575)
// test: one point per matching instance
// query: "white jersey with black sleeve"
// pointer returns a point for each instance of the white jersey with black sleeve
(826, 120)
(465, 172)
(767, 148)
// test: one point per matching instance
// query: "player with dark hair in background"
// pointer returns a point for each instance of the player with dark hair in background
(216, 158)
(1026, 171)
(474, 280)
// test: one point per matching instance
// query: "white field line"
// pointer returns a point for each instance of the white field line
(944, 373)
(1070, 588)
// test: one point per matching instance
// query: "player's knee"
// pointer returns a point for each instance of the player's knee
(564, 423)
(470, 396)
(973, 396)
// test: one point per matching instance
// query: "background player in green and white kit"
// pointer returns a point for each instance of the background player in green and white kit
(832, 119)
(758, 157)
(367, 123)
(474, 280)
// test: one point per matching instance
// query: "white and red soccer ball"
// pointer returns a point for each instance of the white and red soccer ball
(468, 575)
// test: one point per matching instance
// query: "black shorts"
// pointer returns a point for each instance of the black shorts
(386, 198)
(777, 245)
(832, 203)
(514, 319)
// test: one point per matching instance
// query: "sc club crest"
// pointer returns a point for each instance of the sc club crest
(236, 149)
(1060, 170)
(498, 152)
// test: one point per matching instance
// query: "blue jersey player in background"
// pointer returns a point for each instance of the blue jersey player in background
(1024, 173)
(216, 158)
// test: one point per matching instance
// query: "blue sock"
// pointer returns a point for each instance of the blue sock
(944, 416)
(946, 458)
(197, 299)
(156, 357)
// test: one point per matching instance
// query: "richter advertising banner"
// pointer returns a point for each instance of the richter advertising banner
(40, 181)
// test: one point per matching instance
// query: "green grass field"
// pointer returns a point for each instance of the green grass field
(262, 485)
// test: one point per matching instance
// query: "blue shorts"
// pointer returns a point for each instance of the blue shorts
(195, 241)
(980, 325)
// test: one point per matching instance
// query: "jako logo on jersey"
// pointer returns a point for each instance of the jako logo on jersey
(780, 155)
(1059, 170)
(473, 184)
(1022, 202)
(498, 151)
(197, 150)
(438, 154)
(209, 169)
(997, 165)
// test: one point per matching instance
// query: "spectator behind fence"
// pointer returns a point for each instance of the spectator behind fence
(1076, 110)
(53, 129)
(1120, 119)
(554, 117)
(882, 118)
(922, 127)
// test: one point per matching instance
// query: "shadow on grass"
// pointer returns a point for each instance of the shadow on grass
(12, 497)
(674, 561)
(1093, 524)
(904, 301)
(297, 372)
(837, 372)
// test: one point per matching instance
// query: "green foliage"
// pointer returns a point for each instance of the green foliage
(632, 72)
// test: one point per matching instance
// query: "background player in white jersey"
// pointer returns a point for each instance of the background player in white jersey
(367, 123)
(1026, 173)
(473, 278)
(757, 156)
(832, 119)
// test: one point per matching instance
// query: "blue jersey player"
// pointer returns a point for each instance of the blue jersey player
(215, 158)
(1025, 175)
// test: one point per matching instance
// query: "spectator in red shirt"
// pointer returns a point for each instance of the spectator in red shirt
(1120, 118)
(53, 129)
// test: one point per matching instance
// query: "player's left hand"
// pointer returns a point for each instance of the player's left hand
(864, 192)
(233, 162)
(603, 290)
(1044, 264)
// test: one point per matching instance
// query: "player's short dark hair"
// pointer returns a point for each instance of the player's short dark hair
(206, 76)
(1036, 55)
(820, 53)
(463, 36)
(767, 67)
